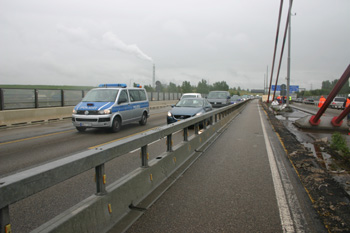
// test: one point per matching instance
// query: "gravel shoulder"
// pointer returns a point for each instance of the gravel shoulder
(328, 197)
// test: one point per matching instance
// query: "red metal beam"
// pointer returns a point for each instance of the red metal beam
(338, 121)
(274, 52)
(315, 120)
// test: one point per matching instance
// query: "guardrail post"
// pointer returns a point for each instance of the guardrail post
(196, 128)
(169, 142)
(5, 219)
(2, 107)
(100, 180)
(144, 156)
(186, 134)
(205, 122)
(36, 98)
(62, 98)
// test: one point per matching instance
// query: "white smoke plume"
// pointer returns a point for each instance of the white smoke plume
(108, 39)
(118, 44)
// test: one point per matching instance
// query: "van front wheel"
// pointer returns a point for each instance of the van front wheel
(81, 129)
(116, 125)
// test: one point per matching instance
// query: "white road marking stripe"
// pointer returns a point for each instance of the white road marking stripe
(286, 219)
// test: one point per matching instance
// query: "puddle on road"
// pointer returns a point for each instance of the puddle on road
(308, 137)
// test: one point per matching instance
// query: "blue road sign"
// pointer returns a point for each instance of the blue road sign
(292, 88)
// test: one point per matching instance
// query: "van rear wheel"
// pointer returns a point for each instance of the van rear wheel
(143, 120)
(116, 125)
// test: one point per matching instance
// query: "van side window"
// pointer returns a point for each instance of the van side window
(134, 95)
(123, 97)
(142, 95)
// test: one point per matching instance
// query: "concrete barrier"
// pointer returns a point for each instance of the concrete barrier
(325, 124)
(29, 116)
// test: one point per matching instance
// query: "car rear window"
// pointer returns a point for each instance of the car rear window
(339, 99)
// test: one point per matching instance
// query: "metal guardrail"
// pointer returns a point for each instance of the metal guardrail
(21, 185)
(11, 98)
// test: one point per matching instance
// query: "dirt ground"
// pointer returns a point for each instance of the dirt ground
(328, 197)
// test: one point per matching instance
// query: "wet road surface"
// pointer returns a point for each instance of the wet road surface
(239, 184)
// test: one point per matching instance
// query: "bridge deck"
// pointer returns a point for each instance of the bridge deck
(229, 189)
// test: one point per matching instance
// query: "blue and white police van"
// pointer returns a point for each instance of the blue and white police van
(111, 106)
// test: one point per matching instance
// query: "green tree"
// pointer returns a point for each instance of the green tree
(326, 85)
(186, 87)
(149, 88)
(172, 87)
(221, 86)
(203, 87)
(159, 86)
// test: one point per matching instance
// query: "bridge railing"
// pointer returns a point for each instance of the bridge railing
(95, 214)
(12, 98)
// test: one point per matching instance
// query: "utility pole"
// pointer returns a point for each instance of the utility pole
(267, 79)
(154, 76)
(289, 38)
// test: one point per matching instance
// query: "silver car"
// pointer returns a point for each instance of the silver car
(338, 103)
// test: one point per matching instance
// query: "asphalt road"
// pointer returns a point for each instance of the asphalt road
(29, 146)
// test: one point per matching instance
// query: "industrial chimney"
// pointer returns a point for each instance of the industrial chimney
(154, 76)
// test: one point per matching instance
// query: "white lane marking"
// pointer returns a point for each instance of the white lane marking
(286, 219)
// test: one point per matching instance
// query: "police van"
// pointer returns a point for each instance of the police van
(111, 106)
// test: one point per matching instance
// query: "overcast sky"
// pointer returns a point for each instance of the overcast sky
(85, 42)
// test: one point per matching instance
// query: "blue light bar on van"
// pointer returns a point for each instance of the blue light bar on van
(123, 85)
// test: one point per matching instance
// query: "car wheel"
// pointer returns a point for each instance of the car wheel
(116, 125)
(143, 120)
(81, 129)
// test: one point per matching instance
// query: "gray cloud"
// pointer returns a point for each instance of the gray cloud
(86, 42)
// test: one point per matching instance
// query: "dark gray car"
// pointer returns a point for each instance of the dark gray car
(219, 99)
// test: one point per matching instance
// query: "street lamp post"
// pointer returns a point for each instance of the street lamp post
(289, 38)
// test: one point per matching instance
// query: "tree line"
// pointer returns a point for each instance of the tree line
(326, 88)
(202, 87)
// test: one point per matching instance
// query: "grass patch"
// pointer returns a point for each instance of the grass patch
(338, 143)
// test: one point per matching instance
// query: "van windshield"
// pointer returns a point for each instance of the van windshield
(101, 95)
